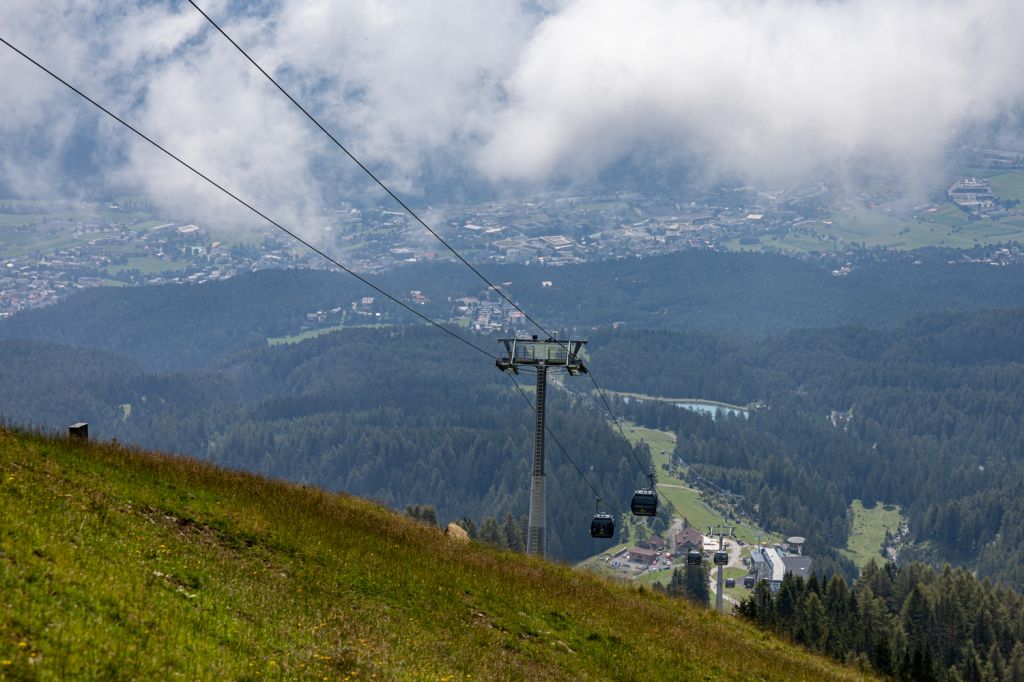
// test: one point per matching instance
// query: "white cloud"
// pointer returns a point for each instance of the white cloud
(526, 91)
(761, 89)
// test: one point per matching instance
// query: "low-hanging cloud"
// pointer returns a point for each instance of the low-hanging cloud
(534, 92)
(765, 90)
(399, 82)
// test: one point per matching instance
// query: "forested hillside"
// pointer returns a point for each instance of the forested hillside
(921, 411)
(910, 622)
(388, 414)
(927, 415)
(739, 295)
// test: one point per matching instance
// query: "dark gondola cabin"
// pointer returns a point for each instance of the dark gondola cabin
(694, 557)
(721, 558)
(645, 502)
(603, 526)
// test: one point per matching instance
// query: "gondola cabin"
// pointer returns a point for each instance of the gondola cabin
(645, 502)
(694, 557)
(721, 558)
(602, 526)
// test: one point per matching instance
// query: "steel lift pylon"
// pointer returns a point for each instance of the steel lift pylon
(541, 355)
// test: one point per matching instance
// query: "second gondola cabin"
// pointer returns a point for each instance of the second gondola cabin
(644, 503)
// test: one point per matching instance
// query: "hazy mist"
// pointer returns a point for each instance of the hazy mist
(495, 92)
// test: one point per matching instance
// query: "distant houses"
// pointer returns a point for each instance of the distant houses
(687, 539)
(773, 563)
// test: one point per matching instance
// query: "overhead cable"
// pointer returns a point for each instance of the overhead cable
(386, 189)
(380, 182)
(564, 451)
(370, 173)
(247, 205)
(632, 450)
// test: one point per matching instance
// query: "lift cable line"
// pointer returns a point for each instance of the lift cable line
(631, 449)
(618, 425)
(390, 193)
(561, 447)
(295, 236)
(247, 205)
(290, 233)
(371, 174)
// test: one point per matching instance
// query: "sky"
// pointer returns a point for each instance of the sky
(501, 94)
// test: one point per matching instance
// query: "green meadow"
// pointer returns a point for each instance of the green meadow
(122, 564)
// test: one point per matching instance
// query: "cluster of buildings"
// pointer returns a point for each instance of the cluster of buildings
(544, 229)
(574, 229)
(91, 255)
(975, 197)
(773, 563)
(658, 553)
(486, 315)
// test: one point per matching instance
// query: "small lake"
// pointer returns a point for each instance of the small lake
(705, 406)
(710, 408)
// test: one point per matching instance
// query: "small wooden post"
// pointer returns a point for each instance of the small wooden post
(79, 431)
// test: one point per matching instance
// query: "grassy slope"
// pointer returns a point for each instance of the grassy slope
(868, 532)
(1008, 185)
(685, 499)
(121, 564)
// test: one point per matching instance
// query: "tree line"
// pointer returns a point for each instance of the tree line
(928, 415)
(910, 622)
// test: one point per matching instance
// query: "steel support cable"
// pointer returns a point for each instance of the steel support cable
(564, 451)
(370, 173)
(724, 494)
(629, 447)
(247, 205)
(608, 408)
(376, 179)
(383, 186)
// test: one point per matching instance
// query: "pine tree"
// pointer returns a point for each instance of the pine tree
(489, 532)
(815, 621)
(512, 534)
(696, 587)
(422, 512)
(765, 604)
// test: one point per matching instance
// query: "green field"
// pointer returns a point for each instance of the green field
(948, 227)
(799, 243)
(869, 526)
(662, 443)
(18, 241)
(685, 499)
(21, 235)
(1008, 185)
(120, 564)
(302, 336)
(739, 593)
